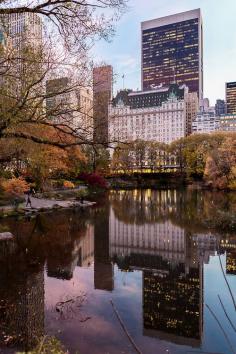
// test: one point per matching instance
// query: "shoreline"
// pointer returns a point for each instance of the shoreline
(40, 205)
(127, 182)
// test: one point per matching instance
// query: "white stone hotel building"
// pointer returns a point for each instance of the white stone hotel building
(163, 114)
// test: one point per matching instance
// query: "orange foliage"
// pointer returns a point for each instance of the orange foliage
(68, 184)
(15, 186)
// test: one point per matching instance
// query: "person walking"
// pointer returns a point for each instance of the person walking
(28, 201)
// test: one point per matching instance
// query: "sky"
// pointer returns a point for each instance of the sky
(219, 34)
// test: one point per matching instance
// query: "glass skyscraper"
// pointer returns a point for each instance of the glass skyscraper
(172, 51)
(231, 97)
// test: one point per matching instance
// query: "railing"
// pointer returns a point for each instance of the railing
(146, 169)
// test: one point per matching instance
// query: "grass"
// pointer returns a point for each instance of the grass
(48, 345)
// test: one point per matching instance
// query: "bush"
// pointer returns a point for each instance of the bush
(68, 184)
(15, 186)
(82, 193)
(94, 180)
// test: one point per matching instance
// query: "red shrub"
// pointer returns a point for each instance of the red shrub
(94, 180)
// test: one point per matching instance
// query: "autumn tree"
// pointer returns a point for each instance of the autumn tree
(97, 159)
(220, 169)
(140, 154)
(123, 157)
(197, 149)
(177, 149)
(156, 154)
(70, 29)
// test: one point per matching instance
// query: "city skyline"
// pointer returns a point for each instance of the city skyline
(124, 52)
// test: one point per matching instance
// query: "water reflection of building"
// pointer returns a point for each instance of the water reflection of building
(70, 252)
(203, 246)
(22, 298)
(229, 245)
(172, 277)
(172, 263)
(85, 247)
(231, 262)
(103, 267)
(172, 307)
(163, 239)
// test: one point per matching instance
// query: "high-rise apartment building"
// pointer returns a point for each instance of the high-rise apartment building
(23, 33)
(231, 97)
(102, 94)
(172, 51)
(71, 105)
(205, 123)
(23, 29)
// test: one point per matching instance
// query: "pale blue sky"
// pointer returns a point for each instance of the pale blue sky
(219, 30)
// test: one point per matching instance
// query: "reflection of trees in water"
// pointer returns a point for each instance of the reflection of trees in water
(195, 210)
(51, 238)
(141, 206)
(22, 298)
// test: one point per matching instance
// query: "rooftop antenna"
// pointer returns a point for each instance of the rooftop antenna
(123, 77)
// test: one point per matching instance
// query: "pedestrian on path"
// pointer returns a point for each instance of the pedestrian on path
(28, 201)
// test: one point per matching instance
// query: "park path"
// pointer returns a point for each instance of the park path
(43, 203)
(39, 203)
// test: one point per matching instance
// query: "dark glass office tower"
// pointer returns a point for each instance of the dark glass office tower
(172, 51)
(231, 97)
(220, 107)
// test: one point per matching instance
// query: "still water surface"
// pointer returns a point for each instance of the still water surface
(163, 261)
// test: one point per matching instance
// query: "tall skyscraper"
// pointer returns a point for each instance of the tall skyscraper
(172, 51)
(102, 94)
(231, 97)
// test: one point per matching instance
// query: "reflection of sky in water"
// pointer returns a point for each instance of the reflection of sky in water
(214, 285)
(103, 332)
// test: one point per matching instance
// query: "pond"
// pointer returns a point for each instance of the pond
(143, 271)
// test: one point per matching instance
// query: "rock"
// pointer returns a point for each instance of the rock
(6, 236)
